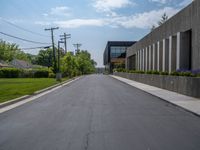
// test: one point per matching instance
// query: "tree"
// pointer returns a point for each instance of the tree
(81, 63)
(44, 58)
(10, 51)
(164, 18)
(85, 64)
(69, 65)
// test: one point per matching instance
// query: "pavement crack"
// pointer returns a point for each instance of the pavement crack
(87, 141)
(87, 136)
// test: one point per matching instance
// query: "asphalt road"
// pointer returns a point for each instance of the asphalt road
(98, 112)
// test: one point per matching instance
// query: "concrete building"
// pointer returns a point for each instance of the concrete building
(175, 45)
(115, 54)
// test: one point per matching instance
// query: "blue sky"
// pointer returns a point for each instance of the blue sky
(90, 22)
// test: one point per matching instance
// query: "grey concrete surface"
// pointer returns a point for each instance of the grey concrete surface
(184, 85)
(98, 112)
(185, 20)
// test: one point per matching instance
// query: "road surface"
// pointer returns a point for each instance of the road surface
(98, 112)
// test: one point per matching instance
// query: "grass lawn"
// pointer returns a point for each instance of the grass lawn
(17, 87)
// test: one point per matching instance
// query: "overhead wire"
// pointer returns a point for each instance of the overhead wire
(30, 48)
(21, 28)
(19, 38)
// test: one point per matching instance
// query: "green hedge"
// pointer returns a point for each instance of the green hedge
(186, 74)
(9, 73)
(25, 73)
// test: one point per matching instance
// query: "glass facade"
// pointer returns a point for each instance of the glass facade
(117, 52)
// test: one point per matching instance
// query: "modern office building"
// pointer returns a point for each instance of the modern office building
(175, 45)
(115, 54)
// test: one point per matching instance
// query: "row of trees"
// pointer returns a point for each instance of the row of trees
(71, 64)
(80, 63)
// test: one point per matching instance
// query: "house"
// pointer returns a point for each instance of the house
(21, 64)
(3, 64)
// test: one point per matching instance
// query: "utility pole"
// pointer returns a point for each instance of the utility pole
(54, 52)
(65, 37)
(77, 47)
(59, 75)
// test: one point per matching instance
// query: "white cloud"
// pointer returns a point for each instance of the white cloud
(160, 1)
(60, 11)
(143, 20)
(108, 5)
(75, 23)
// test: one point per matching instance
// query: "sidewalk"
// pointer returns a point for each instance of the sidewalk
(189, 103)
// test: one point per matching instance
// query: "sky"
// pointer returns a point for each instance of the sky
(90, 22)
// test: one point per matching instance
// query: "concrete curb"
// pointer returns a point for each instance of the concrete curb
(13, 101)
(161, 98)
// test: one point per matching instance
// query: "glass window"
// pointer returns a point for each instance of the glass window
(118, 52)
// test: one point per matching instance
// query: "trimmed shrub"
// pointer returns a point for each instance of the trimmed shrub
(25, 73)
(9, 73)
(164, 73)
(41, 74)
(174, 73)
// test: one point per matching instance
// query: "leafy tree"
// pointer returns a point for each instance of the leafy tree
(44, 58)
(81, 63)
(85, 64)
(69, 65)
(32, 58)
(9, 51)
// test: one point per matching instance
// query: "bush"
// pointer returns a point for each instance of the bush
(175, 73)
(155, 72)
(25, 73)
(149, 72)
(9, 73)
(41, 74)
(164, 73)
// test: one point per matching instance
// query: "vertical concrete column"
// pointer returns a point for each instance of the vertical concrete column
(170, 54)
(143, 59)
(163, 64)
(146, 58)
(158, 56)
(178, 51)
(140, 59)
(165, 55)
(142, 55)
(150, 57)
(154, 49)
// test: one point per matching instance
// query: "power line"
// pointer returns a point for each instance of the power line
(30, 48)
(19, 38)
(16, 26)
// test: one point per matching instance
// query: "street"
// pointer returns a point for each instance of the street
(98, 112)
